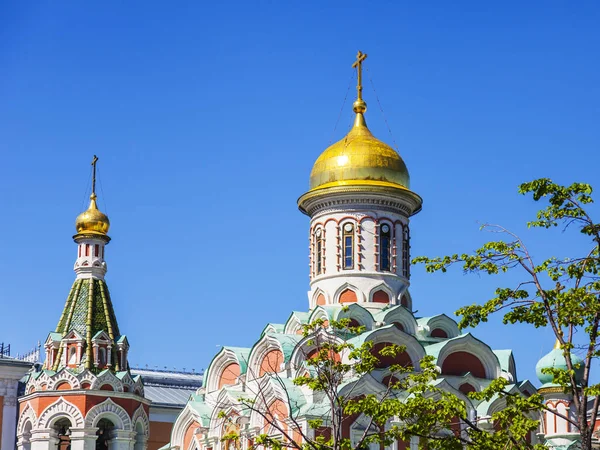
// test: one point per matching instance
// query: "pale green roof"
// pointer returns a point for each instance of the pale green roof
(276, 327)
(55, 336)
(242, 354)
(504, 357)
(199, 406)
(287, 341)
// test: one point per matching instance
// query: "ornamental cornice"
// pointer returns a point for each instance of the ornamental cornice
(77, 380)
(333, 205)
(108, 406)
(551, 390)
(405, 202)
(91, 236)
(86, 392)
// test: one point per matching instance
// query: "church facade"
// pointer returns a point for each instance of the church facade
(84, 397)
(359, 203)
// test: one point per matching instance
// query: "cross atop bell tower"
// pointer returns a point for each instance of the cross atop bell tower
(94, 162)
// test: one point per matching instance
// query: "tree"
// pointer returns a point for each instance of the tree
(337, 368)
(562, 293)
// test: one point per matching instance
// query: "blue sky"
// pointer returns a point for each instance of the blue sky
(207, 118)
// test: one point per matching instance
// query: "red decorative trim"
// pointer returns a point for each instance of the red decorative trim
(359, 239)
(376, 244)
(324, 251)
(338, 249)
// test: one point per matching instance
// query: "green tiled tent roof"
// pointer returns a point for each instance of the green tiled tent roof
(88, 311)
(88, 295)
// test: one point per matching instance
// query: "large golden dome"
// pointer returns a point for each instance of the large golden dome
(359, 163)
(359, 159)
(92, 221)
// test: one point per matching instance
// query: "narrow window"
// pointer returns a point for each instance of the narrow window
(96, 250)
(348, 239)
(102, 357)
(318, 251)
(102, 252)
(87, 249)
(405, 252)
(384, 247)
(79, 246)
(73, 355)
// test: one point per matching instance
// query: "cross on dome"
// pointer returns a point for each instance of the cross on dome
(360, 57)
(94, 162)
(92, 221)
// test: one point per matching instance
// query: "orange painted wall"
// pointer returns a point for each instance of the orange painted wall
(276, 410)
(160, 434)
(348, 296)
(381, 297)
(83, 402)
(271, 363)
(459, 363)
(229, 375)
(189, 434)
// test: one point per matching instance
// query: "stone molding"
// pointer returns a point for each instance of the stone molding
(341, 199)
(140, 416)
(28, 414)
(61, 407)
(109, 409)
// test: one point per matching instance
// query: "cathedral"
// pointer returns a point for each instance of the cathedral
(359, 203)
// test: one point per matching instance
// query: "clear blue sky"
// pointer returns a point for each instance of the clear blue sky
(207, 118)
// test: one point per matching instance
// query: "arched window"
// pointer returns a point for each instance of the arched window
(318, 251)
(405, 252)
(385, 240)
(348, 245)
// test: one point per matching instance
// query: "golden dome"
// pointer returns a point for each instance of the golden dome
(92, 221)
(359, 159)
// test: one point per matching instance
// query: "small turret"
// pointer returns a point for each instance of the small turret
(557, 432)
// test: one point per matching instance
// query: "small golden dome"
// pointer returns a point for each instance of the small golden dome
(359, 159)
(92, 221)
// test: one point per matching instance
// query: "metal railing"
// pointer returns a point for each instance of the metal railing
(4, 350)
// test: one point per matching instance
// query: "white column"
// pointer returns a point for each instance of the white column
(83, 438)
(121, 440)
(44, 439)
(141, 442)
(9, 417)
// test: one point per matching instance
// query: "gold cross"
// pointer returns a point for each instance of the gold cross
(94, 161)
(360, 57)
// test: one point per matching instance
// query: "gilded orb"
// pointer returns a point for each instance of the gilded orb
(92, 221)
(359, 159)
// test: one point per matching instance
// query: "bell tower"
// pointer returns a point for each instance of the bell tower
(359, 203)
(91, 238)
(84, 397)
